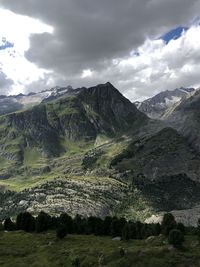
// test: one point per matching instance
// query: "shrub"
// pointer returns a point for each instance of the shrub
(9, 225)
(198, 230)
(1, 226)
(181, 227)
(25, 221)
(61, 231)
(176, 238)
(168, 223)
(76, 262)
(121, 252)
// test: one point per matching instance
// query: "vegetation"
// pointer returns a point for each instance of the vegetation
(168, 223)
(110, 226)
(46, 250)
(176, 238)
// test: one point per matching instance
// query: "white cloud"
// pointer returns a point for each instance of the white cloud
(17, 29)
(159, 66)
(86, 73)
(148, 69)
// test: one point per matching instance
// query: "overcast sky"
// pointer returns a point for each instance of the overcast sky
(86, 42)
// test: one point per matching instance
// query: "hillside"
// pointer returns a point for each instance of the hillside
(92, 152)
(45, 129)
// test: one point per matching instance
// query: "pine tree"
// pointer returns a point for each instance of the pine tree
(106, 225)
(61, 231)
(126, 232)
(65, 219)
(43, 222)
(168, 223)
(25, 221)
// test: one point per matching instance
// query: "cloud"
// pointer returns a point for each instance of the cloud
(5, 83)
(101, 36)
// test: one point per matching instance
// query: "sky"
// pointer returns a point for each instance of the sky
(141, 46)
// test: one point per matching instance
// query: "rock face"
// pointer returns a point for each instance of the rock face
(114, 112)
(158, 105)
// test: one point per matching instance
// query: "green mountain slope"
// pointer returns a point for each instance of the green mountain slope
(93, 153)
(48, 127)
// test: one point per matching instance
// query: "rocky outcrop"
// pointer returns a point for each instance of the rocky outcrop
(84, 197)
(188, 217)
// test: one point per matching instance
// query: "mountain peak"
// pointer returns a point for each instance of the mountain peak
(156, 106)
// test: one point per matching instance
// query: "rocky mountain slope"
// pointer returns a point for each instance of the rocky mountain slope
(166, 153)
(157, 106)
(78, 116)
(186, 119)
(91, 151)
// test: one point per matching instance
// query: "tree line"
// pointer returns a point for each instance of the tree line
(109, 226)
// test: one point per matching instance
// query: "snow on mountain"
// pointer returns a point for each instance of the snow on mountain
(156, 106)
(16, 102)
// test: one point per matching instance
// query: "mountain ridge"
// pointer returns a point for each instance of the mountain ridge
(53, 154)
(157, 106)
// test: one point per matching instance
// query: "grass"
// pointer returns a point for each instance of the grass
(19, 183)
(21, 249)
(134, 206)
(75, 147)
(31, 156)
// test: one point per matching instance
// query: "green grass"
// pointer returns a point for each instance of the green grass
(34, 161)
(19, 183)
(21, 249)
(31, 156)
(75, 147)
(134, 207)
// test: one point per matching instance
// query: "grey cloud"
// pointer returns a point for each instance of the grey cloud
(5, 83)
(90, 33)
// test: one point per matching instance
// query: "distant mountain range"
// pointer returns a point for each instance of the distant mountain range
(14, 103)
(157, 106)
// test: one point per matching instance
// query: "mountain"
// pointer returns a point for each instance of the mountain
(90, 151)
(9, 104)
(156, 106)
(79, 115)
(186, 119)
